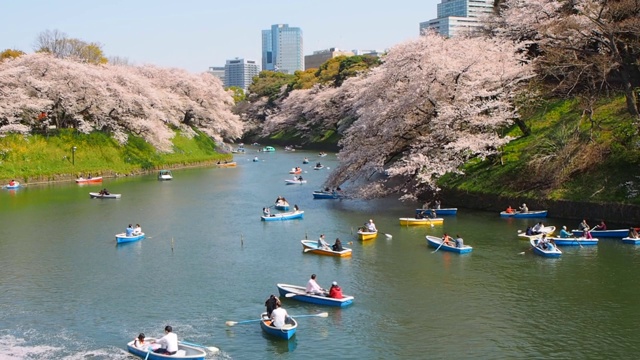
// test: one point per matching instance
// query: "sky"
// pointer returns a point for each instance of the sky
(197, 34)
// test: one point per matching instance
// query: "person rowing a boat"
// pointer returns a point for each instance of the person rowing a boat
(446, 240)
(271, 304)
(543, 242)
(564, 233)
(322, 244)
(168, 343)
(279, 316)
(584, 227)
(523, 208)
(371, 227)
(129, 230)
(633, 233)
(509, 210)
(12, 182)
(601, 226)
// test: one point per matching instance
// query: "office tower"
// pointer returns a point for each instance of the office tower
(217, 71)
(457, 17)
(240, 72)
(282, 49)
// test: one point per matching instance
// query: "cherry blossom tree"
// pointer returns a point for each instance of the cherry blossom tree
(145, 100)
(433, 104)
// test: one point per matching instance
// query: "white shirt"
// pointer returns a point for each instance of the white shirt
(169, 342)
(371, 227)
(278, 315)
(137, 230)
(313, 287)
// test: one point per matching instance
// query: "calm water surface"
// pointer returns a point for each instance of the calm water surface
(68, 292)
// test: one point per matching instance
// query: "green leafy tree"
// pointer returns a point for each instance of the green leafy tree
(238, 93)
(305, 79)
(270, 83)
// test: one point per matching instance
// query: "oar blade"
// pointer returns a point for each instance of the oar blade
(324, 314)
(231, 323)
(289, 295)
(213, 349)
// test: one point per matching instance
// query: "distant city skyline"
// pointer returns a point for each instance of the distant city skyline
(198, 34)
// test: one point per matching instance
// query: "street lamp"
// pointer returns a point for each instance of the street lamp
(73, 155)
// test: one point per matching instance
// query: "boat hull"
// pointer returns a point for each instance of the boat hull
(295, 182)
(95, 195)
(551, 253)
(311, 246)
(631, 241)
(618, 233)
(184, 352)
(326, 195)
(367, 235)
(548, 230)
(165, 175)
(229, 164)
(574, 241)
(435, 242)
(283, 216)
(301, 295)
(439, 212)
(414, 221)
(268, 149)
(286, 332)
(14, 186)
(89, 181)
(528, 214)
(123, 238)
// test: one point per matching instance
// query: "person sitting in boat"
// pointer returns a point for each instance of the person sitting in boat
(564, 233)
(509, 210)
(459, 241)
(633, 233)
(543, 242)
(537, 228)
(140, 343)
(437, 204)
(528, 232)
(601, 226)
(318, 165)
(279, 316)
(89, 176)
(322, 244)
(371, 227)
(585, 229)
(129, 230)
(168, 343)
(446, 240)
(300, 178)
(296, 208)
(337, 246)
(335, 291)
(266, 211)
(137, 230)
(523, 208)
(12, 182)
(313, 287)
(271, 304)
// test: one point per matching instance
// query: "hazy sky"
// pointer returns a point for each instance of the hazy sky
(196, 34)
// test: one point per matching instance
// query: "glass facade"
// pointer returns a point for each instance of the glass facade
(458, 16)
(282, 49)
(240, 72)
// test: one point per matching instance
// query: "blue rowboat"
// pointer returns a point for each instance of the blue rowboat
(268, 149)
(286, 332)
(550, 251)
(631, 241)
(577, 241)
(282, 205)
(283, 216)
(528, 214)
(123, 238)
(439, 212)
(14, 186)
(326, 195)
(299, 293)
(436, 241)
(184, 352)
(618, 233)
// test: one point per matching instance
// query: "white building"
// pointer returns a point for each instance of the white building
(217, 71)
(457, 17)
(240, 72)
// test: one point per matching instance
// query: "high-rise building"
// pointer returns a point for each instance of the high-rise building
(282, 49)
(240, 72)
(457, 17)
(321, 56)
(217, 71)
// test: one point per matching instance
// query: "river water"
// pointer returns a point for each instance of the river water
(68, 292)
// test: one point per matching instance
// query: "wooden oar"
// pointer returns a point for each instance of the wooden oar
(213, 349)
(441, 243)
(389, 236)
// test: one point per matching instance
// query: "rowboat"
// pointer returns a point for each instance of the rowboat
(227, 164)
(299, 293)
(322, 154)
(255, 159)
(283, 216)
(294, 182)
(184, 352)
(295, 171)
(618, 233)
(282, 205)
(165, 175)
(97, 195)
(305, 161)
(528, 214)
(311, 246)
(367, 235)
(318, 167)
(550, 251)
(123, 238)
(327, 195)
(82, 180)
(268, 149)
(547, 230)
(441, 212)
(286, 332)
(289, 148)
(15, 185)
(631, 241)
(425, 221)
(239, 150)
(436, 242)
(573, 241)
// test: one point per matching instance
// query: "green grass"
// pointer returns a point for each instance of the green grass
(41, 158)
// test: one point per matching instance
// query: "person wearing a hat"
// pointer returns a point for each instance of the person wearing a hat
(139, 342)
(564, 233)
(523, 208)
(335, 291)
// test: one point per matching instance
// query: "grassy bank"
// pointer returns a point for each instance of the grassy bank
(567, 156)
(47, 158)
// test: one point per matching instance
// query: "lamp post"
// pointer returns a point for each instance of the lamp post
(73, 155)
